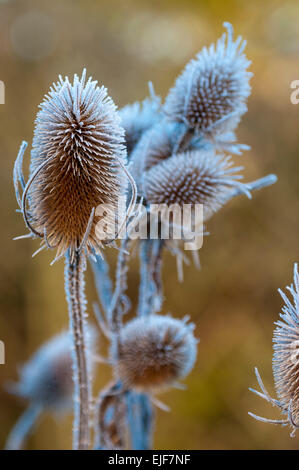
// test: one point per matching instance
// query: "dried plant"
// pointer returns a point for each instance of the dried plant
(285, 362)
(196, 177)
(137, 118)
(46, 382)
(166, 351)
(211, 93)
(178, 155)
(76, 153)
(77, 163)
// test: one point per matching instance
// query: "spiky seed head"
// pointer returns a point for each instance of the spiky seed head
(159, 143)
(47, 378)
(286, 351)
(155, 145)
(78, 132)
(197, 177)
(211, 92)
(155, 352)
(137, 118)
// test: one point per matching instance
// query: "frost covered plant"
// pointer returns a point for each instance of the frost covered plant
(178, 155)
(211, 93)
(285, 362)
(166, 351)
(197, 177)
(76, 157)
(77, 162)
(46, 382)
(137, 118)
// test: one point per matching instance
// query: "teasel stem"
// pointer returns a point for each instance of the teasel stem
(256, 185)
(140, 412)
(74, 287)
(23, 427)
(150, 293)
(118, 306)
(110, 418)
(140, 420)
(103, 282)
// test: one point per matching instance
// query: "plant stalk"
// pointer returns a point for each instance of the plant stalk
(74, 287)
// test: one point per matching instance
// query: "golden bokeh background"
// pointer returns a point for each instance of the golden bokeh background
(252, 245)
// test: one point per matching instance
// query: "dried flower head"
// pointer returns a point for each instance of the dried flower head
(137, 118)
(211, 92)
(197, 177)
(286, 361)
(155, 146)
(155, 351)
(46, 379)
(77, 162)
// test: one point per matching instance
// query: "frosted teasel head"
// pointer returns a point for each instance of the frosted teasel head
(77, 163)
(46, 379)
(285, 361)
(137, 118)
(156, 145)
(210, 95)
(196, 177)
(154, 352)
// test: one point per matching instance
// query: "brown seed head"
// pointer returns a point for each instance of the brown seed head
(78, 145)
(155, 351)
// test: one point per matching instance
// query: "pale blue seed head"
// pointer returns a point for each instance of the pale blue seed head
(137, 118)
(47, 378)
(211, 93)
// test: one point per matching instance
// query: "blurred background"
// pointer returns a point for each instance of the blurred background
(252, 245)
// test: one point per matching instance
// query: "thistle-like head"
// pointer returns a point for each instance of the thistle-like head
(285, 361)
(47, 378)
(210, 95)
(155, 352)
(197, 177)
(137, 118)
(286, 351)
(76, 164)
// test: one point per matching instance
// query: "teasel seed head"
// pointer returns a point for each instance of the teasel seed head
(137, 118)
(285, 362)
(47, 376)
(46, 379)
(155, 352)
(286, 351)
(197, 177)
(155, 146)
(210, 95)
(161, 142)
(76, 163)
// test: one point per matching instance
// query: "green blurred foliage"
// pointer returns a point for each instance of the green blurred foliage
(252, 245)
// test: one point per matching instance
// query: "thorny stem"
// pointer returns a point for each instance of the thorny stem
(74, 286)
